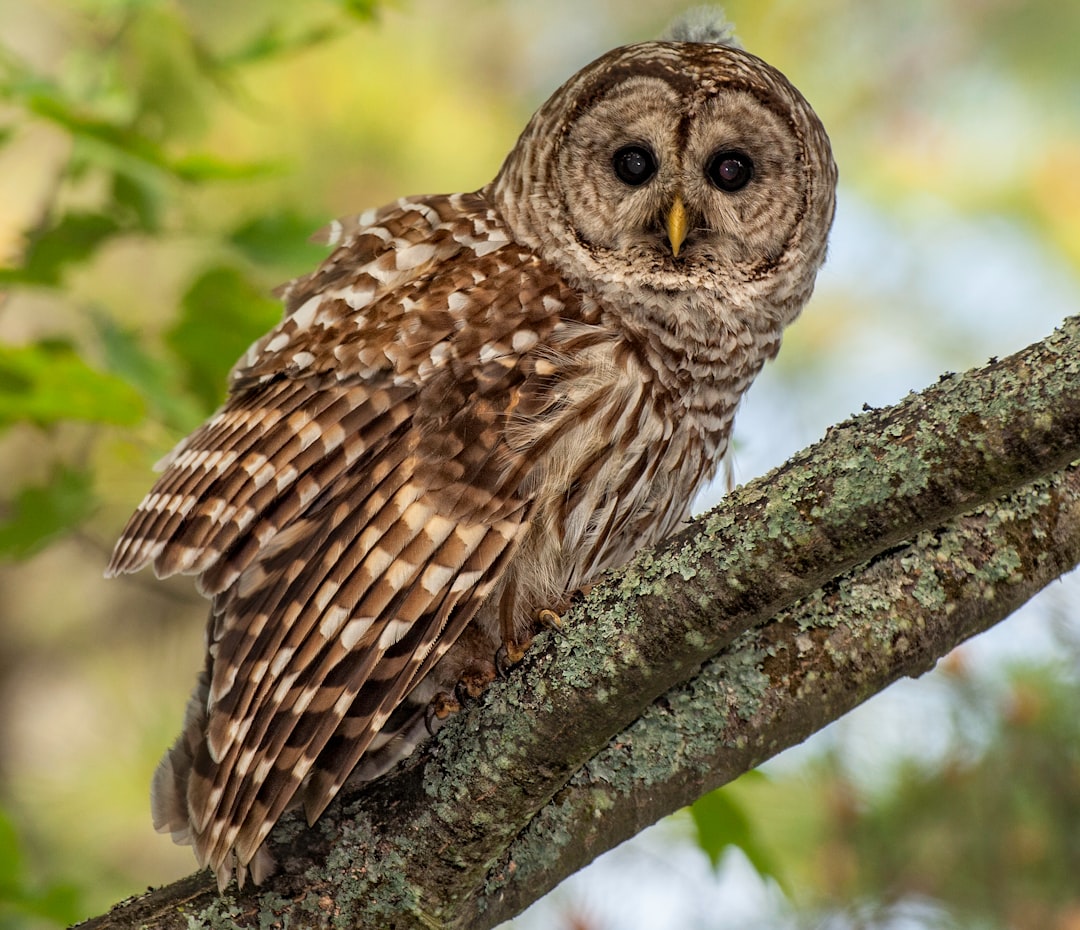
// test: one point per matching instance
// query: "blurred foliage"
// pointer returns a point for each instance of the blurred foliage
(162, 163)
(995, 837)
(116, 135)
(224, 304)
(987, 835)
(722, 822)
(998, 835)
(41, 512)
(20, 899)
(129, 108)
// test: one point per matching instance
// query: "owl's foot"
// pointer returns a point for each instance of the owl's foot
(471, 683)
(513, 651)
(441, 706)
(508, 655)
(474, 680)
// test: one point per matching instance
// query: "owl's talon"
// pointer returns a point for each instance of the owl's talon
(549, 620)
(515, 651)
(508, 655)
(502, 664)
(441, 706)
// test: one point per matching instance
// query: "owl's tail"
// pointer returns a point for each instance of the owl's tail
(169, 804)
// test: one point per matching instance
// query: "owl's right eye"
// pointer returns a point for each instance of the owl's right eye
(634, 164)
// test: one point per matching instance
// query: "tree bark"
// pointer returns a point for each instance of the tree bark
(863, 559)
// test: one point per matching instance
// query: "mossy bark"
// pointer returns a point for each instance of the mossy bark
(791, 602)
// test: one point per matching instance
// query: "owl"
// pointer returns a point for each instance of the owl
(476, 405)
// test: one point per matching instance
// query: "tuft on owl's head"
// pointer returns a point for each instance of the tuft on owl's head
(702, 24)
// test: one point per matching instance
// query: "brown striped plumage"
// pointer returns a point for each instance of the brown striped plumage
(476, 405)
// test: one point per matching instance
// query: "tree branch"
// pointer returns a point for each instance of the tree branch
(528, 784)
(781, 682)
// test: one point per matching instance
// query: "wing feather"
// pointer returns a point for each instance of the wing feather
(203, 471)
(326, 677)
(335, 544)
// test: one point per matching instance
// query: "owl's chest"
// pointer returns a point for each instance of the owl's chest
(616, 457)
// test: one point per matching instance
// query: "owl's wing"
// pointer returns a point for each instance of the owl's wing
(348, 509)
(343, 323)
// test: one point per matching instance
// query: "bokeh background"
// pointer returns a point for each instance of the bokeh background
(161, 165)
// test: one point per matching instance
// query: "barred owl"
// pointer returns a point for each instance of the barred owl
(476, 405)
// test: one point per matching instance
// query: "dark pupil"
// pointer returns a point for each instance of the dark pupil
(730, 171)
(634, 165)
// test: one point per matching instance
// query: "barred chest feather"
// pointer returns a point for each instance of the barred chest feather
(643, 420)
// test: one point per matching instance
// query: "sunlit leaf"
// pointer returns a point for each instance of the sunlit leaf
(164, 74)
(11, 864)
(126, 357)
(275, 41)
(47, 382)
(222, 313)
(361, 9)
(40, 513)
(73, 239)
(721, 822)
(281, 240)
(48, 103)
(205, 167)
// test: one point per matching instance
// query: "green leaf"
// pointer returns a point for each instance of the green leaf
(361, 9)
(41, 513)
(11, 861)
(48, 382)
(116, 144)
(222, 313)
(138, 201)
(73, 239)
(154, 379)
(47, 102)
(274, 41)
(281, 240)
(206, 167)
(721, 822)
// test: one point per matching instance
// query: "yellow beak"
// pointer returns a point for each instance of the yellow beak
(676, 225)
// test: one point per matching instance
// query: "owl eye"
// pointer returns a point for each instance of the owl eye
(730, 171)
(634, 164)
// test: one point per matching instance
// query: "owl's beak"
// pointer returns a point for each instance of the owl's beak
(676, 225)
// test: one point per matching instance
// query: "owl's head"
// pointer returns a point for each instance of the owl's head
(677, 167)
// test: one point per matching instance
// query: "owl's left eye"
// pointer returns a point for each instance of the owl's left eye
(634, 164)
(730, 171)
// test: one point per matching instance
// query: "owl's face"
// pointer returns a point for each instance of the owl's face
(654, 177)
(676, 167)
